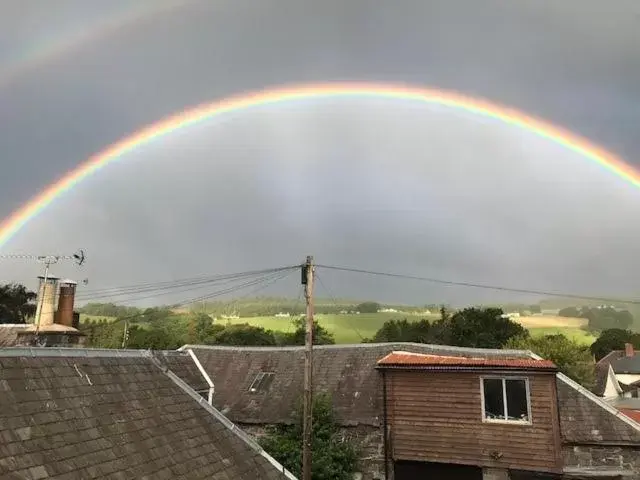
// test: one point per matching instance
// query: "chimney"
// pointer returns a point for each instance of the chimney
(629, 351)
(46, 309)
(66, 303)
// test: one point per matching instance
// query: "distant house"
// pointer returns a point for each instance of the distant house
(73, 413)
(618, 380)
(581, 437)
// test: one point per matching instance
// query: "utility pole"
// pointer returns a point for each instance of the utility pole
(125, 335)
(307, 430)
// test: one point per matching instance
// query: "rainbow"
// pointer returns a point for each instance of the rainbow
(49, 48)
(313, 91)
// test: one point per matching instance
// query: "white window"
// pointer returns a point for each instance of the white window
(505, 399)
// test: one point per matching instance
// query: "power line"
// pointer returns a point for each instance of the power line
(168, 285)
(477, 285)
(335, 302)
(193, 286)
(269, 278)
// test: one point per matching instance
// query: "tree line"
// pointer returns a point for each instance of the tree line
(160, 328)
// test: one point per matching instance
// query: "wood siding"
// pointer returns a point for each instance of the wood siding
(437, 417)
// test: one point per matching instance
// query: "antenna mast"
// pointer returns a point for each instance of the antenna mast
(48, 260)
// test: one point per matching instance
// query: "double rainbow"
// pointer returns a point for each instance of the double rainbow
(30, 210)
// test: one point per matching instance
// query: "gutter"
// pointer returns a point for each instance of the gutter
(204, 374)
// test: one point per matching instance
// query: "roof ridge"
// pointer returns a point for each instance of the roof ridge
(82, 352)
(243, 436)
(450, 348)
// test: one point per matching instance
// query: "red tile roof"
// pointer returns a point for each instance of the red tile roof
(632, 414)
(430, 361)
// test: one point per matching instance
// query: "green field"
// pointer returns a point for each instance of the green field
(92, 318)
(355, 328)
(345, 328)
(574, 333)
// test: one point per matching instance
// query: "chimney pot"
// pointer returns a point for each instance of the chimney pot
(629, 350)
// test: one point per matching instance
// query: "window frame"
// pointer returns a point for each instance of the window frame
(505, 420)
(259, 381)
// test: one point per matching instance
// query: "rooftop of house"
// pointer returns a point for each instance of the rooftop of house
(439, 362)
(9, 333)
(621, 361)
(262, 385)
(77, 413)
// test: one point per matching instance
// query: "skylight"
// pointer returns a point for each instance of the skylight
(261, 382)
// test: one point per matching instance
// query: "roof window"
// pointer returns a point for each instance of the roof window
(261, 382)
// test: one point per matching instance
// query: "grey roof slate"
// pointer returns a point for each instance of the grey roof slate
(347, 373)
(626, 364)
(9, 334)
(81, 414)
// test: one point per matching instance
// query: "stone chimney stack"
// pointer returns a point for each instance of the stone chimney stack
(629, 351)
(66, 300)
(46, 307)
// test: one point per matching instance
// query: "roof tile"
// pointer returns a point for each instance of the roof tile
(399, 358)
(97, 416)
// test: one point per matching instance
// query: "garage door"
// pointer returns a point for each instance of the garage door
(423, 470)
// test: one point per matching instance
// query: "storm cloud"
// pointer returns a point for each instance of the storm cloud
(377, 184)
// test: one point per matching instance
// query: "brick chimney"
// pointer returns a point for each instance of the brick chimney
(629, 351)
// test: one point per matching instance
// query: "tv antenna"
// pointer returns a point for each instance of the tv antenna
(48, 260)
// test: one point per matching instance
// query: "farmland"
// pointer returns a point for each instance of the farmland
(354, 328)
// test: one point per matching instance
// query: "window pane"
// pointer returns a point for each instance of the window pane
(493, 400)
(517, 400)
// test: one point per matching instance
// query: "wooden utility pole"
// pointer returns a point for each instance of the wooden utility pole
(307, 429)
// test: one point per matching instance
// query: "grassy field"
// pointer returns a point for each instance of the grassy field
(354, 328)
(345, 328)
(92, 318)
(577, 334)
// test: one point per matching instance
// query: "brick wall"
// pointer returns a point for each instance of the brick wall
(368, 440)
(624, 458)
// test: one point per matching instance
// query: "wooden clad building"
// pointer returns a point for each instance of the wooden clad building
(488, 414)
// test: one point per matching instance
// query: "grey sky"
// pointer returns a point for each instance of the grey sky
(390, 185)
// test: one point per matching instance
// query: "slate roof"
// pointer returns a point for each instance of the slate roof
(409, 359)
(626, 364)
(9, 334)
(348, 374)
(80, 414)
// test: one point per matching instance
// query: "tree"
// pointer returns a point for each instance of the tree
(368, 307)
(405, 331)
(535, 309)
(603, 318)
(333, 457)
(201, 328)
(613, 339)
(16, 303)
(153, 338)
(243, 334)
(570, 312)
(320, 334)
(478, 327)
(571, 358)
